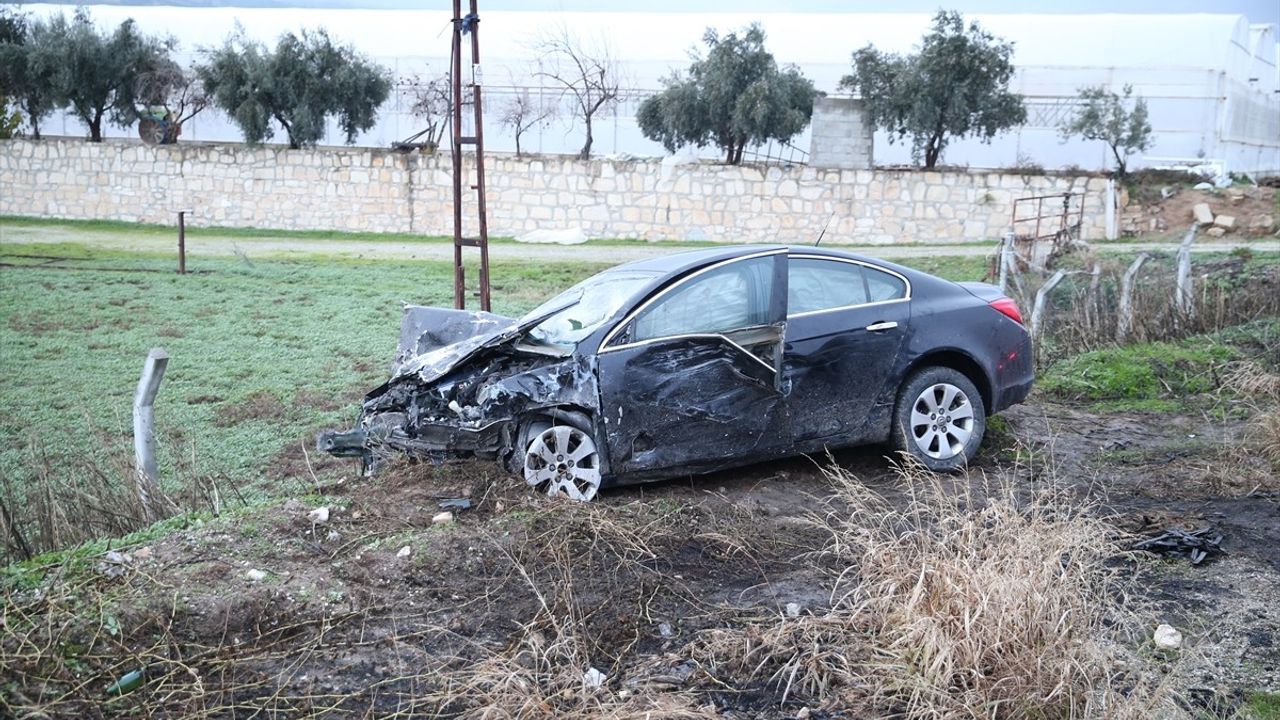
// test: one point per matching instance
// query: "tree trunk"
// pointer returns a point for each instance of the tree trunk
(95, 127)
(737, 155)
(585, 152)
(728, 153)
(1120, 164)
(517, 144)
(933, 149)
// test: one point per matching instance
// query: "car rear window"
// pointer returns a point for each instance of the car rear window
(882, 286)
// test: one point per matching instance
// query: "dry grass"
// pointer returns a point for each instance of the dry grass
(1259, 390)
(89, 498)
(996, 603)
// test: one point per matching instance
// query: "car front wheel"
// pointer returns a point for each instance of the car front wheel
(561, 460)
(939, 419)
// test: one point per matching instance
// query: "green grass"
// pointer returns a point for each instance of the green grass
(260, 353)
(1148, 376)
(195, 231)
(1151, 377)
(1261, 706)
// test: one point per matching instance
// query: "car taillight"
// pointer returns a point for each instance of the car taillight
(1009, 308)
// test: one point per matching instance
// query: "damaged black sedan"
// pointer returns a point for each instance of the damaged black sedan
(701, 361)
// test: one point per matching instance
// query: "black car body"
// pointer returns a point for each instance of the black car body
(700, 361)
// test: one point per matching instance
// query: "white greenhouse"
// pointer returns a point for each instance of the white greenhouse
(1211, 81)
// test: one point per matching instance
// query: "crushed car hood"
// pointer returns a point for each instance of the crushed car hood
(434, 340)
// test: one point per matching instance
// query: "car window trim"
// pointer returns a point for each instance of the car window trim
(810, 256)
(695, 336)
(672, 288)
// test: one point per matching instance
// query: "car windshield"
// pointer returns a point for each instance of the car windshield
(584, 307)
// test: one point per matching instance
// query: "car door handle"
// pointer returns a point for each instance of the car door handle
(877, 327)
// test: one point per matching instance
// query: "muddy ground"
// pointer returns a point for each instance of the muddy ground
(378, 611)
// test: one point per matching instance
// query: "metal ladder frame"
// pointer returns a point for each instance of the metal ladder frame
(463, 25)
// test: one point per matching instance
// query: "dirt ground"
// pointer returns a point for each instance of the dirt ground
(365, 612)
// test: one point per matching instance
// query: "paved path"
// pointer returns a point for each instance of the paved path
(213, 245)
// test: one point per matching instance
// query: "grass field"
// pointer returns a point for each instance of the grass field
(263, 353)
(260, 353)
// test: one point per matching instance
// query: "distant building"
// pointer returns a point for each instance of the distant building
(1211, 81)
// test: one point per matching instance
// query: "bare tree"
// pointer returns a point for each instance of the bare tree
(430, 102)
(586, 72)
(172, 95)
(523, 113)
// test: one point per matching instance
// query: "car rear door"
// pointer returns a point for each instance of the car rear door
(691, 378)
(846, 323)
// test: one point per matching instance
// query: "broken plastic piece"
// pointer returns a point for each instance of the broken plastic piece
(128, 682)
(455, 504)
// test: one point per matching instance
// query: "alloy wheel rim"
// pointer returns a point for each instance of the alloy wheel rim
(942, 421)
(564, 461)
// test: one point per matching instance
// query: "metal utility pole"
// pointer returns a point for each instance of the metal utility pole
(463, 25)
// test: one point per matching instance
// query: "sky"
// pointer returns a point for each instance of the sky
(1258, 11)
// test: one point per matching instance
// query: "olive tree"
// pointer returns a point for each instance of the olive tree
(1102, 115)
(736, 95)
(96, 70)
(956, 85)
(304, 81)
(29, 58)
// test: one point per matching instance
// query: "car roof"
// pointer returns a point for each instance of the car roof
(679, 262)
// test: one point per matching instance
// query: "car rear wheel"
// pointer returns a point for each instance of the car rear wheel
(939, 418)
(561, 460)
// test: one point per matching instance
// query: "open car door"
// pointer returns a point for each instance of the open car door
(692, 377)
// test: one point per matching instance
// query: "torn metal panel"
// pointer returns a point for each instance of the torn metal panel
(693, 403)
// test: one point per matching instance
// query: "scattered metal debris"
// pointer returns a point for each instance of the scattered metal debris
(1195, 545)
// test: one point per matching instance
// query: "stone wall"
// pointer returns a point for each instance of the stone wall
(841, 136)
(360, 189)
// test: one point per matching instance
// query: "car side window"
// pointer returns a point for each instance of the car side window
(882, 286)
(733, 296)
(814, 285)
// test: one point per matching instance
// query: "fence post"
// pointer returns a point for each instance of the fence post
(1124, 325)
(144, 437)
(1006, 247)
(1037, 310)
(182, 242)
(1183, 297)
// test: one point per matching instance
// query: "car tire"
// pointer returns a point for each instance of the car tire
(939, 419)
(559, 459)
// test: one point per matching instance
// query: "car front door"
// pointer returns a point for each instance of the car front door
(846, 322)
(691, 378)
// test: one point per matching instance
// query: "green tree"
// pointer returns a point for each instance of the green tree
(734, 96)
(96, 71)
(956, 85)
(28, 63)
(10, 120)
(1102, 116)
(299, 85)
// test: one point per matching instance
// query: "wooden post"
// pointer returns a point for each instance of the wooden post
(1124, 324)
(1006, 248)
(1037, 310)
(182, 242)
(1182, 292)
(144, 437)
